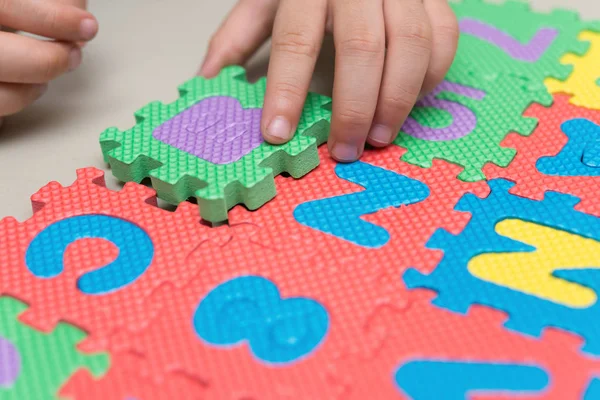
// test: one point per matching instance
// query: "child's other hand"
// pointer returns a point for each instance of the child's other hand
(388, 53)
(28, 64)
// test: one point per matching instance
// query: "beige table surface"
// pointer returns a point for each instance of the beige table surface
(144, 50)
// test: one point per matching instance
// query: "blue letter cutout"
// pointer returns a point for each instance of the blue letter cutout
(454, 380)
(44, 256)
(593, 390)
(340, 216)
(249, 308)
(581, 154)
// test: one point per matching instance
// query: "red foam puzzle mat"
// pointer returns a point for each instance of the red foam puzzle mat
(417, 272)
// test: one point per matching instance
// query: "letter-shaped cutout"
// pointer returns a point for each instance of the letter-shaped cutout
(455, 380)
(216, 129)
(44, 256)
(531, 272)
(463, 119)
(341, 215)
(529, 52)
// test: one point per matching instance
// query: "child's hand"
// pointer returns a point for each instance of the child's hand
(388, 53)
(28, 64)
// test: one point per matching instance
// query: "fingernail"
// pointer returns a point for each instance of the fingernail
(74, 58)
(280, 128)
(380, 134)
(344, 152)
(88, 29)
(209, 68)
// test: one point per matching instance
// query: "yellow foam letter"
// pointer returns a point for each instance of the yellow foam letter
(530, 272)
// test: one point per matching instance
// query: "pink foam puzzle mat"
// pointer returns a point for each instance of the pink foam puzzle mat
(461, 262)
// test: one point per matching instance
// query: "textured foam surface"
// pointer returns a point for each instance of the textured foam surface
(549, 140)
(580, 155)
(207, 144)
(398, 276)
(90, 255)
(37, 364)
(459, 286)
(509, 37)
(583, 83)
(484, 112)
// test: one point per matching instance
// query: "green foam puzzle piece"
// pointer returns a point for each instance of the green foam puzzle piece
(517, 20)
(498, 113)
(176, 175)
(47, 359)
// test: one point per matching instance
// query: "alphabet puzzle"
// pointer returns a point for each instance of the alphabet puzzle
(462, 262)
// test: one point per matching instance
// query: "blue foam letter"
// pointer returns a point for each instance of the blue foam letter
(453, 380)
(44, 256)
(340, 215)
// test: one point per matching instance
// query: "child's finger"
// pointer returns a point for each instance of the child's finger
(244, 30)
(359, 37)
(76, 3)
(49, 19)
(27, 60)
(445, 40)
(14, 97)
(409, 41)
(297, 36)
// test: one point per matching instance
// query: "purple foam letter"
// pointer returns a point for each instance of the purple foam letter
(463, 119)
(10, 363)
(216, 129)
(530, 52)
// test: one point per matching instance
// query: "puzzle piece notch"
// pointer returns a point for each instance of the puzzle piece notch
(177, 175)
(422, 332)
(512, 38)
(497, 104)
(456, 380)
(41, 372)
(574, 158)
(321, 279)
(582, 84)
(547, 141)
(57, 297)
(123, 381)
(457, 289)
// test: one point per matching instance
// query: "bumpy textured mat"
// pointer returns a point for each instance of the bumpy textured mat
(462, 262)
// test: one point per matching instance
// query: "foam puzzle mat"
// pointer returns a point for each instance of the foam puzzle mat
(462, 262)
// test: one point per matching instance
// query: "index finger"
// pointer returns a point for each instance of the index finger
(49, 19)
(297, 37)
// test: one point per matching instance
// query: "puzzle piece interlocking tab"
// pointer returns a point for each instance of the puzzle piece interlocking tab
(584, 82)
(548, 142)
(405, 274)
(483, 112)
(34, 364)
(509, 37)
(505, 223)
(504, 55)
(208, 144)
(90, 255)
